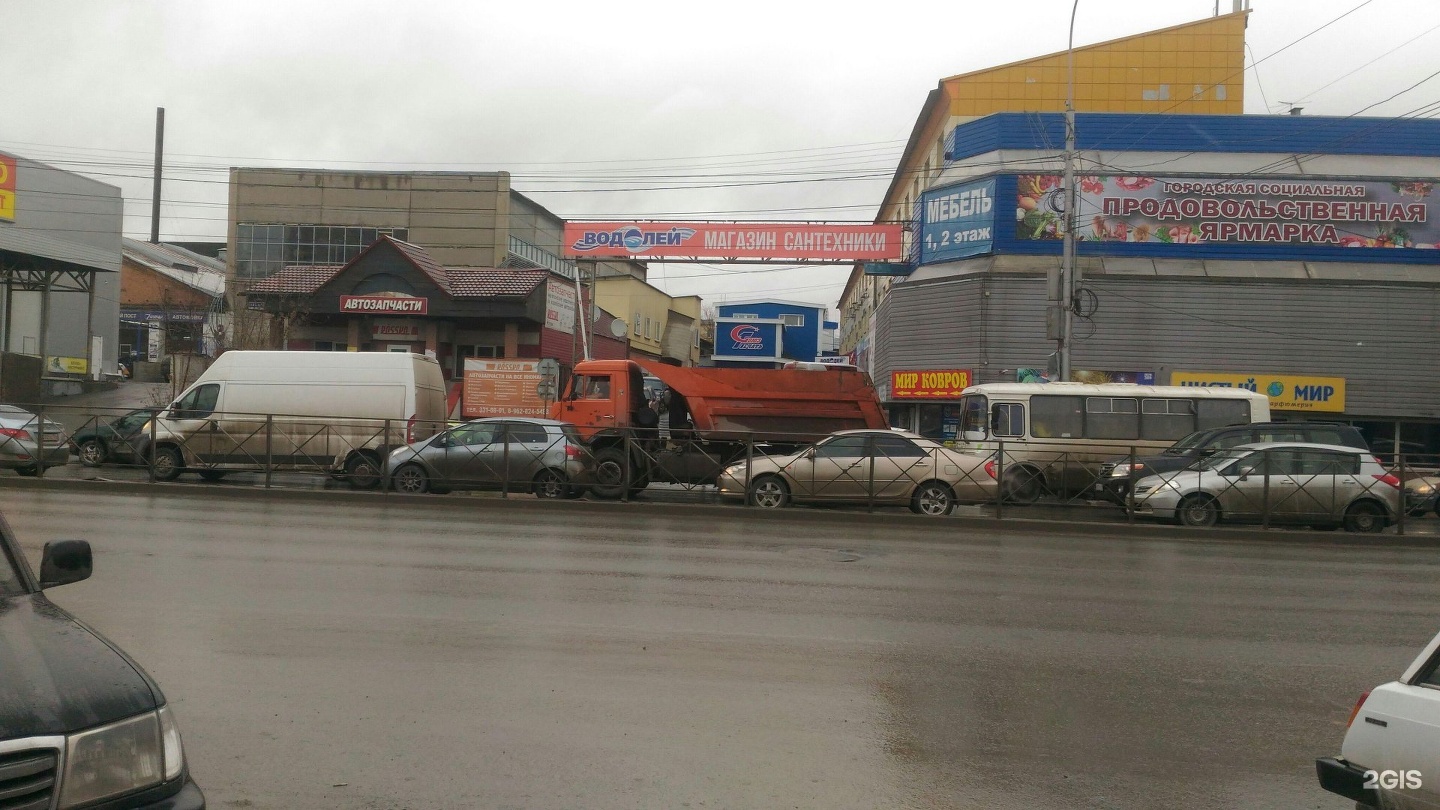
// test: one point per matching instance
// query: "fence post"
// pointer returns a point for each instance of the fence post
(269, 448)
(1404, 506)
(1265, 491)
(385, 461)
(505, 460)
(870, 488)
(1000, 481)
(1130, 489)
(154, 418)
(40, 441)
(749, 464)
(625, 470)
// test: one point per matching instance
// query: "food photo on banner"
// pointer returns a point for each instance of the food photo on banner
(1191, 210)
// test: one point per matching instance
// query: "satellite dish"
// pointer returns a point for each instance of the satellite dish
(618, 328)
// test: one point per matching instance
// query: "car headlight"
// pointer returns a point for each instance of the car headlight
(122, 757)
(1424, 489)
(735, 471)
(1124, 470)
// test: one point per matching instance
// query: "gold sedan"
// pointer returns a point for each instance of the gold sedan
(884, 467)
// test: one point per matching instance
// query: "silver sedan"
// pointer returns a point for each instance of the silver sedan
(22, 434)
(884, 467)
(536, 455)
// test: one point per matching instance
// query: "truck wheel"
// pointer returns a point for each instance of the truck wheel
(411, 480)
(768, 492)
(932, 498)
(166, 463)
(211, 475)
(92, 452)
(363, 471)
(610, 467)
(551, 485)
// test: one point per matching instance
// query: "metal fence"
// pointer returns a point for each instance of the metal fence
(880, 469)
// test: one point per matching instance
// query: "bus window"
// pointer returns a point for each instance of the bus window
(1057, 417)
(1112, 418)
(1007, 419)
(1213, 413)
(1166, 419)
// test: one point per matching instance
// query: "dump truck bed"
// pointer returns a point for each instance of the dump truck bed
(773, 404)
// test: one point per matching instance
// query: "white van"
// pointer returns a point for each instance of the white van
(340, 412)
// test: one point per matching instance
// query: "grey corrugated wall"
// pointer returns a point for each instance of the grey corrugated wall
(1383, 339)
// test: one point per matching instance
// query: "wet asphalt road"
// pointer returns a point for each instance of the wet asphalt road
(413, 655)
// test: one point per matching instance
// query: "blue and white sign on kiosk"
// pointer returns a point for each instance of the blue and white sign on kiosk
(756, 339)
(957, 221)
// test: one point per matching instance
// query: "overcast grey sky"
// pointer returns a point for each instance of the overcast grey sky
(577, 100)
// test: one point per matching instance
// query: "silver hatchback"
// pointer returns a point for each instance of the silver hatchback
(22, 434)
(523, 455)
(1320, 485)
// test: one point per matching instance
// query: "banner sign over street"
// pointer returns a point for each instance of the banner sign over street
(678, 241)
(1213, 210)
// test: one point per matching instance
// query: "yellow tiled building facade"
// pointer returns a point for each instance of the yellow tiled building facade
(1196, 67)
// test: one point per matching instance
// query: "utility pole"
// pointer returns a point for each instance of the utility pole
(159, 159)
(1068, 274)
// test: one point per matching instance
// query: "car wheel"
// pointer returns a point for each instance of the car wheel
(92, 452)
(211, 475)
(551, 485)
(27, 472)
(1198, 510)
(1023, 485)
(933, 498)
(1365, 516)
(411, 480)
(609, 474)
(166, 463)
(363, 471)
(768, 492)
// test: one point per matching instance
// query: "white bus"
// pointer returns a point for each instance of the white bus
(1056, 435)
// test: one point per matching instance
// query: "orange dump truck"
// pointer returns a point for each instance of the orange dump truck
(707, 417)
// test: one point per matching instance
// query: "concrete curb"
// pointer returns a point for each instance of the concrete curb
(808, 516)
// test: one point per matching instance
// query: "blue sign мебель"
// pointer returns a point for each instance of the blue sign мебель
(957, 221)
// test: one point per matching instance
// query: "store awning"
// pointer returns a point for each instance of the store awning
(42, 251)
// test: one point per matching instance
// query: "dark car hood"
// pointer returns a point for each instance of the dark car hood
(58, 676)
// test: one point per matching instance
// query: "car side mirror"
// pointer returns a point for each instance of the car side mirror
(1206, 451)
(1246, 472)
(810, 454)
(65, 561)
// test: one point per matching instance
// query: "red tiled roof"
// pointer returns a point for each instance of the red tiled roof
(422, 262)
(488, 282)
(458, 282)
(295, 279)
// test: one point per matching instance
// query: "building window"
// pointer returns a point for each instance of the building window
(793, 320)
(331, 346)
(646, 333)
(261, 249)
(745, 316)
(637, 325)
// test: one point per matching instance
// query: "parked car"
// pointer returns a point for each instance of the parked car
(1422, 494)
(116, 440)
(1282, 482)
(22, 433)
(907, 469)
(81, 724)
(1390, 756)
(539, 455)
(1117, 475)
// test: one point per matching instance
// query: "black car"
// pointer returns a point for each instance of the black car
(1117, 475)
(81, 725)
(118, 440)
